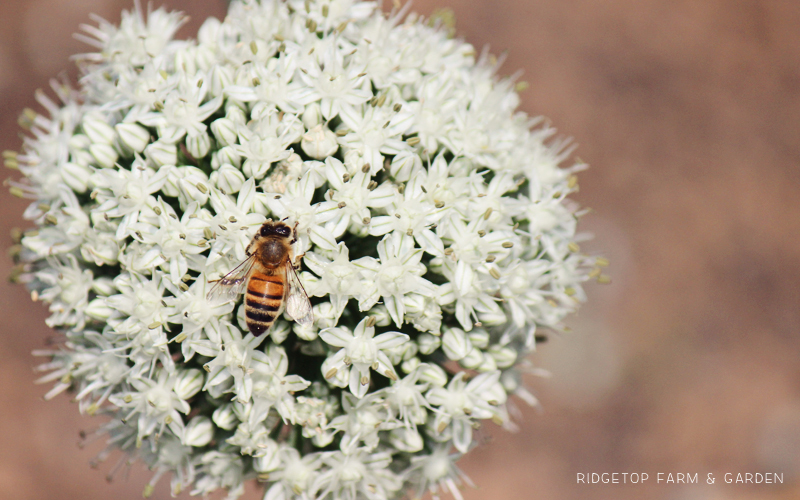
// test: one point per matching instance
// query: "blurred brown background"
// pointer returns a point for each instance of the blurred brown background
(687, 111)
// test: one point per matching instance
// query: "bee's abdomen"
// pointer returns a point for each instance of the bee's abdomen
(263, 301)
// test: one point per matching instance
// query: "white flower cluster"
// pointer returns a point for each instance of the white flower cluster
(433, 219)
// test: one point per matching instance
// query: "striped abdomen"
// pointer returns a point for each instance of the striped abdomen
(263, 301)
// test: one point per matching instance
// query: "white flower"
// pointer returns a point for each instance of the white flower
(438, 470)
(265, 141)
(295, 475)
(363, 420)
(335, 83)
(339, 278)
(373, 130)
(232, 356)
(171, 241)
(272, 387)
(419, 198)
(353, 195)
(357, 473)
(462, 401)
(156, 404)
(396, 272)
(124, 193)
(361, 351)
(182, 112)
(295, 203)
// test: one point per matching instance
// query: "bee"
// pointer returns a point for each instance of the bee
(268, 277)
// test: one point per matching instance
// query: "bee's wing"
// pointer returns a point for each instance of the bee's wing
(232, 284)
(297, 304)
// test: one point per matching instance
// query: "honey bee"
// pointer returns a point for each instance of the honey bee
(268, 276)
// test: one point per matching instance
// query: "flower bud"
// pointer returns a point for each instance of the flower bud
(382, 316)
(488, 364)
(209, 31)
(428, 343)
(472, 360)
(319, 142)
(267, 457)
(410, 365)
(79, 141)
(279, 331)
(235, 114)
(161, 153)
(219, 77)
(433, 374)
(224, 131)
(226, 155)
(293, 165)
(99, 309)
(76, 176)
(228, 179)
(83, 157)
(198, 432)
(103, 249)
(306, 332)
(105, 154)
(199, 145)
(225, 418)
(479, 338)
(189, 383)
(241, 411)
(103, 286)
(133, 135)
(312, 116)
(98, 131)
(503, 356)
(404, 164)
(325, 315)
(455, 343)
(405, 439)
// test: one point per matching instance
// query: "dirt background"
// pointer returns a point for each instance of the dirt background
(687, 112)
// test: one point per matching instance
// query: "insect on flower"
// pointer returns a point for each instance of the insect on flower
(268, 276)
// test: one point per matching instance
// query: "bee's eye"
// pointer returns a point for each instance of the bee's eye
(264, 230)
(283, 231)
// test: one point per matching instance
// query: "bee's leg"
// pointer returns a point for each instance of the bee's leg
(298, 260)
(294, 233)
(247, 250)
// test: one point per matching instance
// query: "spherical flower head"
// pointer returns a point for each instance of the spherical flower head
(431, 225)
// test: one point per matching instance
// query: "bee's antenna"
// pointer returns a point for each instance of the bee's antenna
(285, 218)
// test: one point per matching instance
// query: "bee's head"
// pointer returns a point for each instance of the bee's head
(276, 229)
